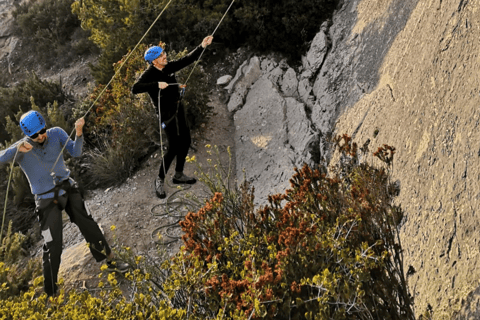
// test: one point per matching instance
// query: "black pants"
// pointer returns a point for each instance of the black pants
(49, 215)
(179, 140)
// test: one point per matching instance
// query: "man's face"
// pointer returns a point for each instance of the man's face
(40, 136)
(161, 61)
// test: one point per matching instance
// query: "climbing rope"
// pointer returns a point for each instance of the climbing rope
(6, 196)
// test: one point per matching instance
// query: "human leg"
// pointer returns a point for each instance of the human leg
(50, 217)
(172, 138)
(172, 151)
(184, 141)
(78, 213)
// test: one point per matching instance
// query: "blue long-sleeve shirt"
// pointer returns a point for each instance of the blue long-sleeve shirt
(37, 163)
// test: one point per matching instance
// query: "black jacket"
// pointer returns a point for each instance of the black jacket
(148, 82)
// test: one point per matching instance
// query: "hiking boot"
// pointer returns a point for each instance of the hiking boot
(159, 188)
(118, 266)
(181, 178)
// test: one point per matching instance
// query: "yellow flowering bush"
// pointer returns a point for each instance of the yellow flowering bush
(17, 269)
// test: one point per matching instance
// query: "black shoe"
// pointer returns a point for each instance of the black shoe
(159, 188)
(183, 179)
(117, 266)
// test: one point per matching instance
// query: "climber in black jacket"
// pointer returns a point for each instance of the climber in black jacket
(160, 78)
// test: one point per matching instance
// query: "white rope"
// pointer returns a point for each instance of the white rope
(8, 188)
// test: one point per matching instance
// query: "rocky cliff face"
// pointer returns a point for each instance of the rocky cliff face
(8, 42)
(400, 72)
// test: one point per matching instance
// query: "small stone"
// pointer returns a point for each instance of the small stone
(223, 81)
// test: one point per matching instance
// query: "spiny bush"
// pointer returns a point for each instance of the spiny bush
(124, 126)
(326, 249)
(52, 30)
(117, 25)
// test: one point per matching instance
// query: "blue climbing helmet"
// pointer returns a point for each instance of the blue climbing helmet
(32, 122)
(153, 53)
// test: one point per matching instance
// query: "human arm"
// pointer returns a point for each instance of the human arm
(74, 147)
(190, 58)
(9, 153)
(147, 82)
(207, 41)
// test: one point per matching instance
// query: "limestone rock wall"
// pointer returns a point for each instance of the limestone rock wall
(400, 72)
(8, 42)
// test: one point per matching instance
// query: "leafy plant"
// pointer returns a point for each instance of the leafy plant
(52, 30)
(43, 92)
(17, 270)
(326, 249)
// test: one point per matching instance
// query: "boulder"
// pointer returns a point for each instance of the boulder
(317, 52)
(246, 75)
(289, 83)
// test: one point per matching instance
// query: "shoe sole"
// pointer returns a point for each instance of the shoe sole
(184, 182)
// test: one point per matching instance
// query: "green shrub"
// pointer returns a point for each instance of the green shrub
(326, 249)
(17, 269)
(284, 26)
(81, 305)
(52, 30)
(124, 126)
(43, 92)
(108, 301)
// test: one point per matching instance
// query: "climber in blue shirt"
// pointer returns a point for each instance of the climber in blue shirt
(55, 191)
